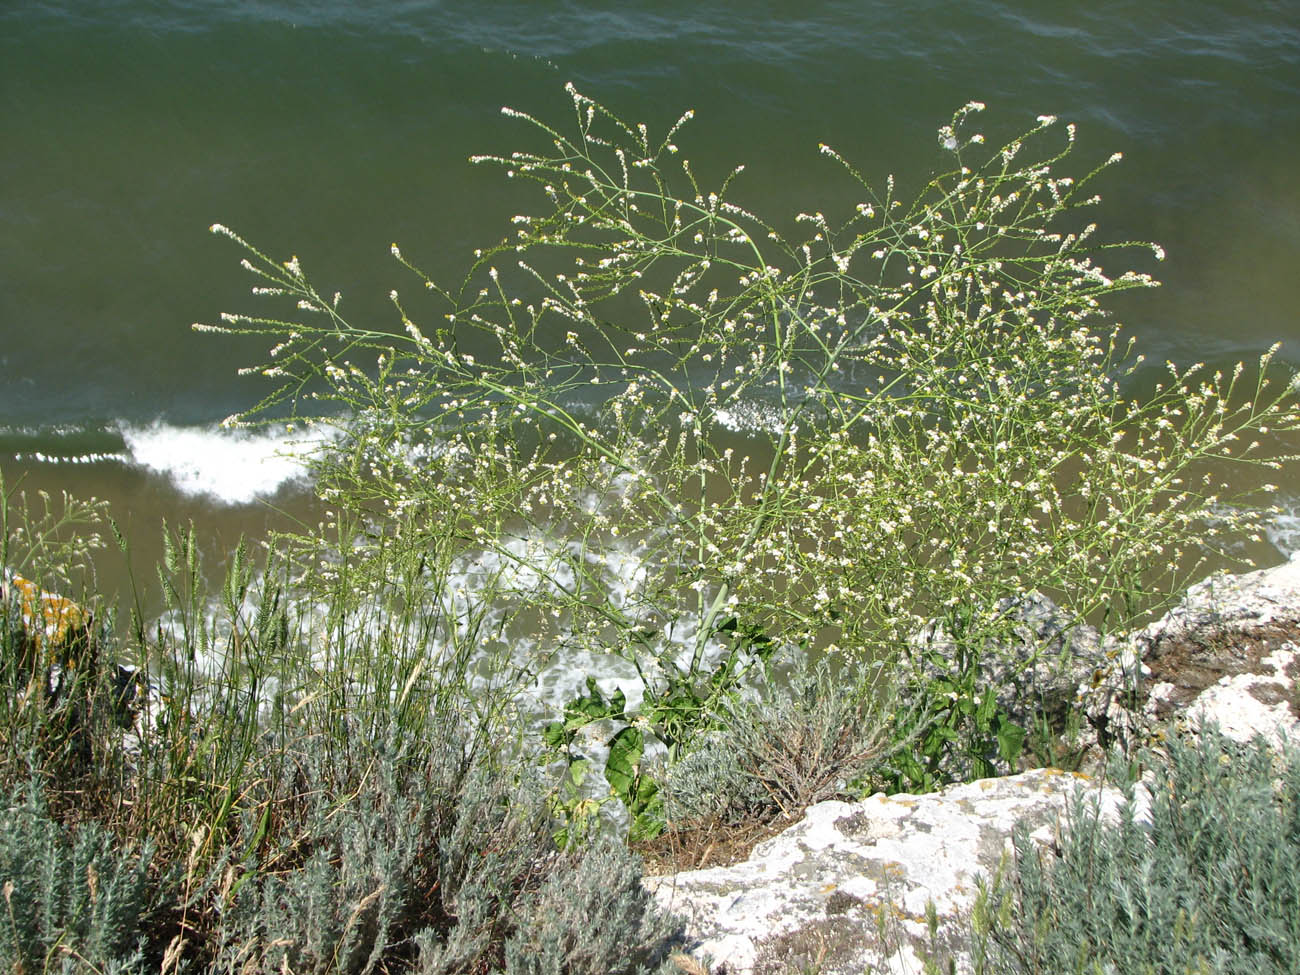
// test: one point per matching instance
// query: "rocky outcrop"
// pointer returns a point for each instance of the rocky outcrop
(848, 887)
(1229, 654)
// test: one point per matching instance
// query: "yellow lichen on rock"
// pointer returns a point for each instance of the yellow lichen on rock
(47, 618)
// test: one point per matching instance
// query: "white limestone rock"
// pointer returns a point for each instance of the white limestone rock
(1225, 601)
(1229, 654)
(1247, 705)
(814, 895)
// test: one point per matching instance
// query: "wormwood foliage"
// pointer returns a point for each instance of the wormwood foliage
(695, 433)
(437, 864)
(73, 900)
(428, 862)
(318, 781)
(1207, 883)
(815, 736)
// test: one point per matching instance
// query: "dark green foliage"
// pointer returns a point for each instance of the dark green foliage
(962, 731)
(679, 709)
(637, 790)
(690, 701)
(1210, 885)
(73, 898)
(582, 711)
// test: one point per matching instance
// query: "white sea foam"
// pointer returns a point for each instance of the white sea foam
(749, 417)
(94, 457)
(229, 466)
(1283, 529)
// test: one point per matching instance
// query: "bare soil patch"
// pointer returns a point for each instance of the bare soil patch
(697, 846)
(1194, 660)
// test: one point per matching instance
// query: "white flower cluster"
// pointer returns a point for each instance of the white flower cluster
(943, 426)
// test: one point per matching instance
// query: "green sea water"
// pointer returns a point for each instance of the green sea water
(331, 129)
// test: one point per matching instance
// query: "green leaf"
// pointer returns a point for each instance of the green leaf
(556, 735)
(988, 705)
(758, 640)
(1011, 739)
(576, 775)
(616, 705)
(592, 706)
(647, 809)
(645, 827)
(943, 732)
(647, 795)
(625, 750)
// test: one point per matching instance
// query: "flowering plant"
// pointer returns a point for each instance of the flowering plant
(692, 435)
